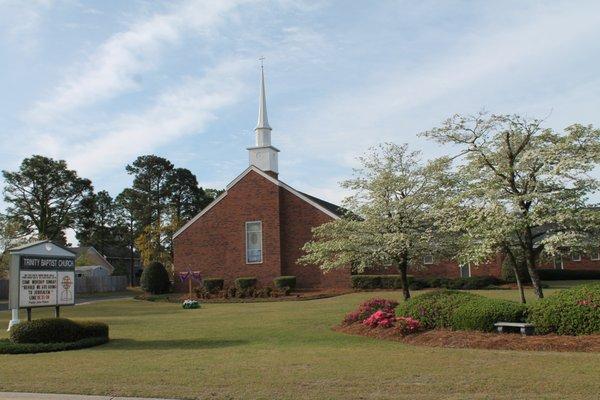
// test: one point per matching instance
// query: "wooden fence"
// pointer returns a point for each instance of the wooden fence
(95, 284)
(99, 284)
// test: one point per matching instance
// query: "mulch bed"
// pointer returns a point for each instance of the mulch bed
(480, 340)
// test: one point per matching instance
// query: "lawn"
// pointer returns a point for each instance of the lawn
(283, 350)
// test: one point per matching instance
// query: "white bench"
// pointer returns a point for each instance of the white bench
(525, 328)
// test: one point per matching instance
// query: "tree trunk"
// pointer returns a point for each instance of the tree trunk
(403, 266)
(515, 268)
(535, 278)
(519, 284)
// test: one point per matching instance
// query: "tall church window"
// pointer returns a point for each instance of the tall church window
(254, 253)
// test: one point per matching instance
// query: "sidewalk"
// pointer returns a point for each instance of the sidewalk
(42, 396)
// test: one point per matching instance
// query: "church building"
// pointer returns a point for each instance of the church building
(258, 226)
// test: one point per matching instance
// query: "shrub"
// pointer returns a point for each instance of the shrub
(567, 274)
(213, 285)
(56, 330)
(246, 283)
(460, 310)
(406, 325)
(366, 281)
(481, 314)
(285, 281)
(418, 284)
(378, 281)
(368, 308)
(155, 279)
(574, 311)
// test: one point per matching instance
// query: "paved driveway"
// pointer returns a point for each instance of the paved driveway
(83, 300)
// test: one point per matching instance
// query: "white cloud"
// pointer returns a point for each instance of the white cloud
(113, 67)
(183, 110)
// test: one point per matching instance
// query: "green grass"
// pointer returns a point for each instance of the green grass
(283, 350)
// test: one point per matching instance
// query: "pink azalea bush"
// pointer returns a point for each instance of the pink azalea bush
(376, 313)
(368, 308)
(380, 318)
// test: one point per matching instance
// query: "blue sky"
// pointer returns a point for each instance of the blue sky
(100, 82)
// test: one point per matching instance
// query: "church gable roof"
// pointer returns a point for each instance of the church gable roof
(330, 209)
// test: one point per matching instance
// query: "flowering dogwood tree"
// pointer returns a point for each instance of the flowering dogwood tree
(523, 189)
(390, 215)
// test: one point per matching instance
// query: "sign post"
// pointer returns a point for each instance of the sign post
(190, 276)
(42, 274)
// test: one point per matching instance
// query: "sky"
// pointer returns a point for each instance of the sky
(98, 83)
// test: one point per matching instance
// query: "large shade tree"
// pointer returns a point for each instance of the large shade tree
(524, 189)
(43, 196)
(390, 216)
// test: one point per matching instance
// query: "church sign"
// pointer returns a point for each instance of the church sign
(41, 275)
(46, 281)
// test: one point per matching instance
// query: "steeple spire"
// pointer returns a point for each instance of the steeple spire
(263, 155)
(263, 120)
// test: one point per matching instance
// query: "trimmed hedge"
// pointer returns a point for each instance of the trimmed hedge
(567, 274)
(471, 283)
(378, 281)
(8, 347)
(285, 281)
(213, 285)
(57, 330)
(574, 311)
(394, 282)
(460, 310)
(246, 283)
(155, 279)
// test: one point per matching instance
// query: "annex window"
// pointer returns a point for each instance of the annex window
(576, 257)
(428, 259)
(465, 270)
(558, 262)
(254, 253)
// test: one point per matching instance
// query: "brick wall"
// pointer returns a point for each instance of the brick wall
(297, 219)
(215, 244)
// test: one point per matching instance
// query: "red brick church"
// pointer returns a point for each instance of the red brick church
(258, 226)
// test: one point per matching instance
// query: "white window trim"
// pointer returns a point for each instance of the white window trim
(262, 255)
(576, 257)
(428, 262)
(595, 256)
(460, 269)
(562, 263)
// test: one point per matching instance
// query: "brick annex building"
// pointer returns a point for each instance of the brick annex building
(258, 226)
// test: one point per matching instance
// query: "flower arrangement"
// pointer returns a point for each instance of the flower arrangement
(190, 304)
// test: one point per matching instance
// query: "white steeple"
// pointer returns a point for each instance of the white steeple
(263, 155)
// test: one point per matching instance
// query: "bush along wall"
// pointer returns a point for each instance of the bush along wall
(366, 282)
(213, 285)
(574, 311)
(568, 274)
(447, 309)
(282, 282)
(378, 281)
